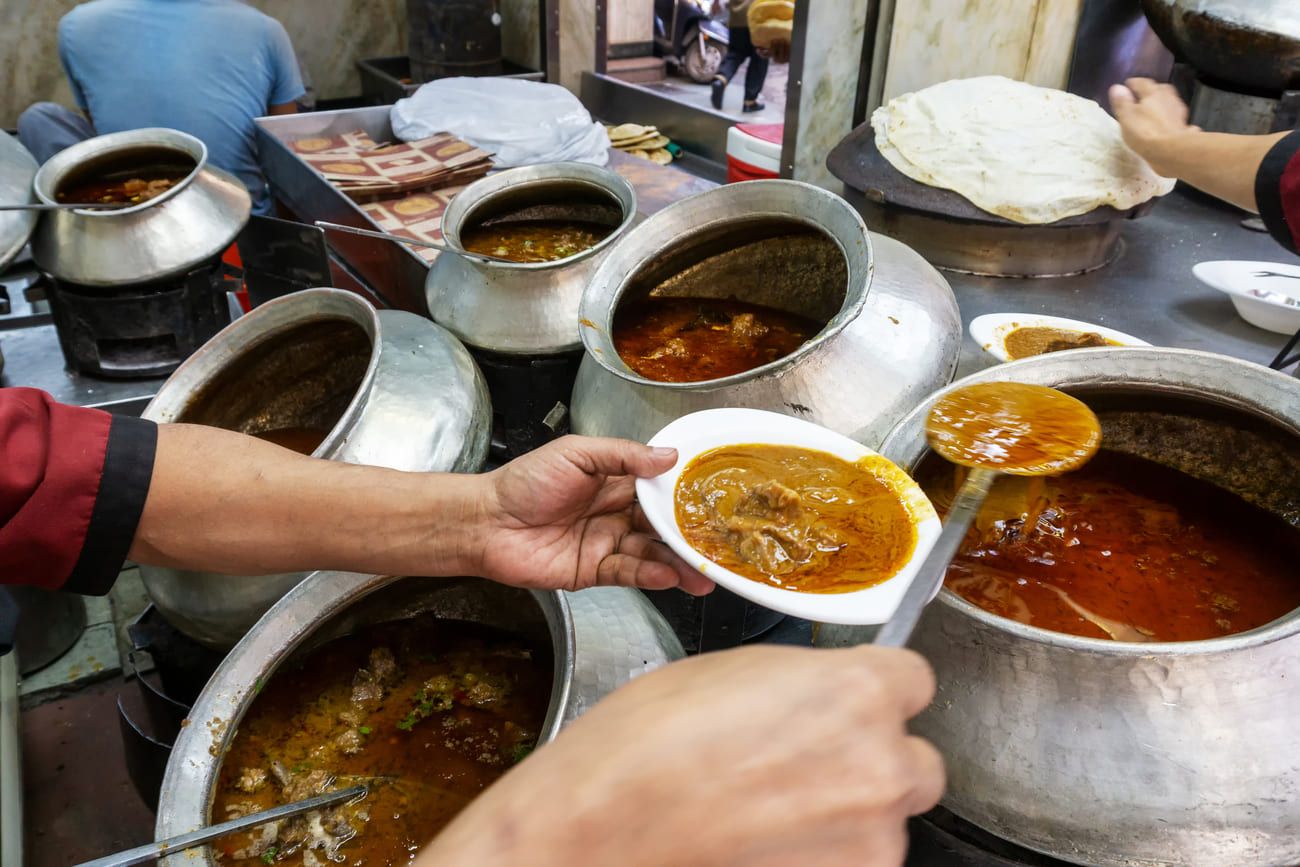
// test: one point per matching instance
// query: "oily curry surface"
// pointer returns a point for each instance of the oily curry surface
(303, 440)
(427, 712)
(534, 240)
(794, 518)
(695, 339)
(1123, 548)
(1039, 340)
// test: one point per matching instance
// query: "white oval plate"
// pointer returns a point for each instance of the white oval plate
(1259, 300)
(991, 329)
(699, 432)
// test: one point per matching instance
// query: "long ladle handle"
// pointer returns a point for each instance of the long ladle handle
(41, 206)
(172, 845)
(398, 239)
(965, 506)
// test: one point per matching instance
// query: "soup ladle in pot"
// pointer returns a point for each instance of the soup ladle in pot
(385, 236)
(992, 428)
(172, 845)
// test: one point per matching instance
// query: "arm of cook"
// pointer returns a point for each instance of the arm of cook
(1260, 173)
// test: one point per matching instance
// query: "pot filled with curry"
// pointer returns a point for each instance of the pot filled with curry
(765, 295)
(1116, 648)
(424, 690)
(554, 224)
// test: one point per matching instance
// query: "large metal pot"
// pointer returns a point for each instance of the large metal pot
(1111, 753)
(191, 223)
(600, 639)
(1253, 44)
(17, 169)
(891, 337)
(393, 389)
(525, 308)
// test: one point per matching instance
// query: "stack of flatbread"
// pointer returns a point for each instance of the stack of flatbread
(641, 141)
(1029, 154)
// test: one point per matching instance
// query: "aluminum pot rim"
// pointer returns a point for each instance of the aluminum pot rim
(58, 166)
(1282, 627)
(200, 369)
(598, 339)
(488, 187)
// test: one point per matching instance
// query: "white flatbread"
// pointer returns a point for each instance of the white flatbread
(1029, 154)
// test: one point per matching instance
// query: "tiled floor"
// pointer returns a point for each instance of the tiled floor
(688, 92)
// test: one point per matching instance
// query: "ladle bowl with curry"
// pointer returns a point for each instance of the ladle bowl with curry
(790, 515)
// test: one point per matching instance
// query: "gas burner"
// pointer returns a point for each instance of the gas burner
(530, 398)
(1220, 107)
(942, 839)
(143, 330)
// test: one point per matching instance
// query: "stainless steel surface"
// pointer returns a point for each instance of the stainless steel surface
(1134, 754)
(398, 239)
(522, 308)
(192, 222)
(49, 623)
(171, 845)
(421, 405)
(33, 359)
(600, 638)
(965, 506)
(896, 334)
(394, 271)
(17, 169)
(1254, 44)
(11, 766)
(1148, 291)
(1214, 109)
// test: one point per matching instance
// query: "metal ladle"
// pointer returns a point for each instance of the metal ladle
(992, 428)
(172, 845)
(385, 236)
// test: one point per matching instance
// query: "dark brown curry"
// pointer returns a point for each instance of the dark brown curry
(694, 339)
(427, 712)
(795, 518)
(1123, 548)
(1039, 340)
(534, 240)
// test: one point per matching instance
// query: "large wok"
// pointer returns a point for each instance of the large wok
(1254, 44)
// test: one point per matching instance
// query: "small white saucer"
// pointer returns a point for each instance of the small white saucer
(990, 330)
(1271, 303)
(700, 432)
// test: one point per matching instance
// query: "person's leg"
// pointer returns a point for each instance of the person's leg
(755, 75)
(738, 48)
(46, 128)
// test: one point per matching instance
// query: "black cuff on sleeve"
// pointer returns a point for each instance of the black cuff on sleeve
(123, 486)
(1268, 189)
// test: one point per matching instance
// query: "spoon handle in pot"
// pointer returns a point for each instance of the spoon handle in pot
(398, 239)
(965, 506)
(172, 845)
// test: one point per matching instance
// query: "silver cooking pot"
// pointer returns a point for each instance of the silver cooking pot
(191, 223)
(1253, 44)
(525, 308)
(1112, 753)
(393, 390)
(17, 169)
(600, 638)
(892, 332)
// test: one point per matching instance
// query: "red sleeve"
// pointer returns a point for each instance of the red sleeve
(72, 486)
(1277, 191)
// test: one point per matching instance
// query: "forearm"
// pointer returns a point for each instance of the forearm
(1220, 164)
(224, 502)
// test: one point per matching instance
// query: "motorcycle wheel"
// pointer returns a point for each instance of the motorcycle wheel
(701, 66)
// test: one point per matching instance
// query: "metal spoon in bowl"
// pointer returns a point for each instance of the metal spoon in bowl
(172, 845)
(993, 427)
(385, 236)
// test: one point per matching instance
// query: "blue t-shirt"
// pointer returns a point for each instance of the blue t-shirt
(205, 67)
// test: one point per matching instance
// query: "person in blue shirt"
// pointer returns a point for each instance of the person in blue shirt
(205, 67)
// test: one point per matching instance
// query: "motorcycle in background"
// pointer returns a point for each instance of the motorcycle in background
(689, 38)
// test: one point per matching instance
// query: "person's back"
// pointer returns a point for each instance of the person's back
(206, 67)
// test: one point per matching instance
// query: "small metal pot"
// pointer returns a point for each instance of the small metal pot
(892, 330)
(17, 169)
(393, 389)
(600, 639)
(525, 308)
(191, 223)
(1111, 753)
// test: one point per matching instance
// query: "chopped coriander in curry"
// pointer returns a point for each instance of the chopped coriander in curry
(534, 240)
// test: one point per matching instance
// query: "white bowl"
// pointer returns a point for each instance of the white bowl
(1271, 303)
(990, 330)
(700, 432)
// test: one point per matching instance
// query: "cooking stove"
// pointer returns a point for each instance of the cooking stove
(1218, 106)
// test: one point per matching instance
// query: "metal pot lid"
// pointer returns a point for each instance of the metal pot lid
(858, 163)
(17, 169)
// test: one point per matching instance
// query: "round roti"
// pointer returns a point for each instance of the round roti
(627, 131)
(660, 156)
(1030, 154)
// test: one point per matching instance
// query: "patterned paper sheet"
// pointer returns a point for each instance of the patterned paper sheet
(417, 216)
(364, 171)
